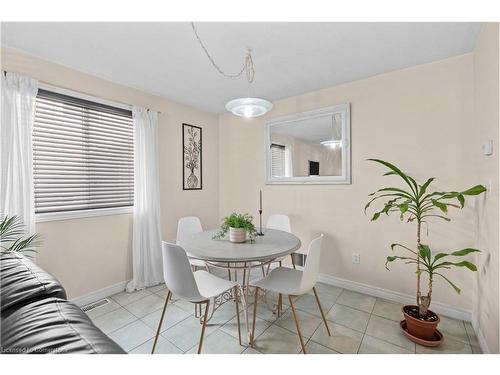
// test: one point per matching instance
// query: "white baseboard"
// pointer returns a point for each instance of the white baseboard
(439, 307)
(99, 294)
(479, 333)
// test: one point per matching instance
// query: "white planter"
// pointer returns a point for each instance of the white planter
(237, 235)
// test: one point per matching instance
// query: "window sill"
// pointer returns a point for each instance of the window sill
(68, 215)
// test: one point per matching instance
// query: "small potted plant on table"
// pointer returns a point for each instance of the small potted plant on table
(239, 226)
(416, 204)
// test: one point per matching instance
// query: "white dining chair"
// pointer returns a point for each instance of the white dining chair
(293, 283)
(279, 222)
(196, 287)
(187, 226)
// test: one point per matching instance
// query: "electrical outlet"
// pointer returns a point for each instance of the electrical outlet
(356, 258)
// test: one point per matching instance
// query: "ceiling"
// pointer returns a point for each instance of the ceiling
(290, 58)
(311, 130)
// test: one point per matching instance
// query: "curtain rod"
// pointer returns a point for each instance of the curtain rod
(118, 102)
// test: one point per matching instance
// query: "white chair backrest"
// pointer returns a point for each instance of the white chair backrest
(311, 268)
(279, 222)
(178, 274)
(187, 226)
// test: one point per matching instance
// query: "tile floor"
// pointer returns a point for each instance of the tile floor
(359, 323)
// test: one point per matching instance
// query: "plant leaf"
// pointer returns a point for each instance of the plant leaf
(461, 253)
(475, 190)
(457, 289)
(397, 171)
(463, 263)
(440, 205)
(425, 252)
(424, 187)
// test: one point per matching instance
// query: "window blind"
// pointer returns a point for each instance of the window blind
(277, 160)
(83, 154)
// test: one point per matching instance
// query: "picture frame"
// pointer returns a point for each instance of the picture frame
(192, 157)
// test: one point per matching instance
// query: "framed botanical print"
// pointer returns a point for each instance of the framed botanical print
(191, 157)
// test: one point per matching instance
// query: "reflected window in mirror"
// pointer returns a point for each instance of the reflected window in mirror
(311, 147)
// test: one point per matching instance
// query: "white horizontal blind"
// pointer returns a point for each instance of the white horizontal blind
(277, 160)
(83, 154)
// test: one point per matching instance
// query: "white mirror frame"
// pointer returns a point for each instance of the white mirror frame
(345, 178)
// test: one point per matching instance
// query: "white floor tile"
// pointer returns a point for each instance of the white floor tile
(357, 300)
(277, 340)
(219, 343)
(125, 298)
(114, 320)
(349, 317)
(163, 346)
(343, 339)
(173, 315)
(145, 305)
(389, 331)
(372, 345)
(132, 335)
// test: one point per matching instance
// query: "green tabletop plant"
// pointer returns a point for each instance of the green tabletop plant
(416, 203)
(238, 222)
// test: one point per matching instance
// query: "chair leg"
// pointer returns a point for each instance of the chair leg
(229, 271)
(280, 304)
(161, 321)
(203, 327)
(293, 261)
(297, 325)
(235, 291)
(321, 311)
(195, 268)
(252, 338)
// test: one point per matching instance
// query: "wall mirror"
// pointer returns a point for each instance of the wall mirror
(310, 147)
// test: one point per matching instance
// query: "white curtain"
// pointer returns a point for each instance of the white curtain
(146, 243)
(16, 150)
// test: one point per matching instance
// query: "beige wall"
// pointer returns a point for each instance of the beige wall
(93, 253)
(485, 169)
(418, 118)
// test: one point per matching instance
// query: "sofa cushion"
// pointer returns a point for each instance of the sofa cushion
(52, 325)
(22, 281)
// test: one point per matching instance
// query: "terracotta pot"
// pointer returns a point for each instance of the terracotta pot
(420, 328)
(237, 235)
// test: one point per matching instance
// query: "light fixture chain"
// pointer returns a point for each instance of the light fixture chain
(248, 67)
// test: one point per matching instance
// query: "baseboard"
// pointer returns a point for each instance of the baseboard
(439, 307)
(479, 333)
(99, 294)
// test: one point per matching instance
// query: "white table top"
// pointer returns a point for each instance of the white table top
(274, 244)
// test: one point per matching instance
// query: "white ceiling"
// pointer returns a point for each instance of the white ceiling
(310, 130)
(290, 58)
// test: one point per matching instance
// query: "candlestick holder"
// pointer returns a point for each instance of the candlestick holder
(260, 233)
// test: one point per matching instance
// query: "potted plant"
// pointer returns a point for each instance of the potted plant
(239, 226)
(415, 203)
(12, 236)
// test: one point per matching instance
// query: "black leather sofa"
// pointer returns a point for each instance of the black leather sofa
(36, 317)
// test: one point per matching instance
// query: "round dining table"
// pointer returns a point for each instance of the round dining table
(265, 249)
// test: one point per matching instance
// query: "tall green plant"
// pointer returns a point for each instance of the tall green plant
(415, 203)
(12, 236)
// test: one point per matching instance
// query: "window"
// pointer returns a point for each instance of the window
(83, 155)
(277, 160)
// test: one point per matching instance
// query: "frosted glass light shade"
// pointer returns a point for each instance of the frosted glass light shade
(331, 143)
(249, 107)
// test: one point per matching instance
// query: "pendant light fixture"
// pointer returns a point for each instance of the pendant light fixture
(332, 143)
(247, 106)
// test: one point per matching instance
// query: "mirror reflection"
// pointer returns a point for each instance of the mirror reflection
(310, 147)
